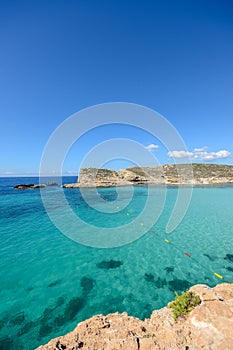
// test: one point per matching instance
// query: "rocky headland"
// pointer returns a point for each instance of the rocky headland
(208, 326)
(180, 174)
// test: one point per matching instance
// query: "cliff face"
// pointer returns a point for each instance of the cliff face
(99, 177)
(197, 174)
(94, 177)
(208, 326)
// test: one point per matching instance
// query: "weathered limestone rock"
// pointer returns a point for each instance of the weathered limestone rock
(143, 175)
(74, 185)
(209, 327)
(183, 174)
(94, 177)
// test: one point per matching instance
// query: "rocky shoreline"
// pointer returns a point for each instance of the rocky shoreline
(164, 175)
(171, 175)
(33, 186)
(208, 326)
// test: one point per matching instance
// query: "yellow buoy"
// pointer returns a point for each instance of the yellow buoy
(166, 240)
(219, 276)
(142, 224)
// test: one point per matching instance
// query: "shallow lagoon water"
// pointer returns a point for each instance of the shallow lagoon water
(50, 283)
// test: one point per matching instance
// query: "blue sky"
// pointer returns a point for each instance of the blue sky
(58, 57)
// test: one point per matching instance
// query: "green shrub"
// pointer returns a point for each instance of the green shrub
(148, 335)
(184, 303)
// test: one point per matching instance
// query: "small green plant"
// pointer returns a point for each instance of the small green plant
(184, 303)
(148, 335)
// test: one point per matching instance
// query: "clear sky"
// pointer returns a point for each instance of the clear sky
(58, 57)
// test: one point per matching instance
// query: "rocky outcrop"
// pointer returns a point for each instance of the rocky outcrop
(33, 186)
(195, 174)
(137, 175)
(208, 326)
(183, 174)
(94, 177)
(28, 186)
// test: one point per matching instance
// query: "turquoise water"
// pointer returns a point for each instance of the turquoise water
(50, 283)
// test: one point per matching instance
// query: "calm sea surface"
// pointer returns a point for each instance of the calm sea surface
(50, 283)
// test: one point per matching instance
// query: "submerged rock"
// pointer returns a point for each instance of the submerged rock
(230, 268)
(18, 319)
(178, 285)
(55, 283)
(26, 328)
(71, 310)
(149, 277)
(169, 269)
(7, 343)
(110, 264)
(60, 301)
(73, 307)
(229, 257)
(44, 330)
(210, 257)
(87, 285)
(160, 282)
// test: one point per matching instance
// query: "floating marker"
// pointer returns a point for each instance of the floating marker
(167, 241)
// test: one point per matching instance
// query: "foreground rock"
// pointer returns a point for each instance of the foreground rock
(181, 174)
(208, 326)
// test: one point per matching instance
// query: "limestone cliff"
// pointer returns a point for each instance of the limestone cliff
(186, 174)
(94, 177)
(208, 326)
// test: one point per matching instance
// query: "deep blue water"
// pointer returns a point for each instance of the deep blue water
(49, 283)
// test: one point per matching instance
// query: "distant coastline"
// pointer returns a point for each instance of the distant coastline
(170, 175)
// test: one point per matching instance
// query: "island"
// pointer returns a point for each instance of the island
(170, 174)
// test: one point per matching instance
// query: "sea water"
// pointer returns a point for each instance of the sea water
(49, 283)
